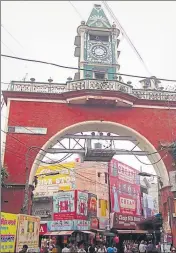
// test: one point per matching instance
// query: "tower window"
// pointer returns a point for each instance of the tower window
(99, 38)
(100, 76)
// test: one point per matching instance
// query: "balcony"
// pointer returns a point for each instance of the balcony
(92, 84)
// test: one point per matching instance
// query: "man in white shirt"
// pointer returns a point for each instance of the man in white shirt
(102, 249)
(65, 249)
(142, 247)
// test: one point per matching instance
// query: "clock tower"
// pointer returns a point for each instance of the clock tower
(97, 47)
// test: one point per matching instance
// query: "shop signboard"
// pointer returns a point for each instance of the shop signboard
(43, 207)
(61, 225)
(64, 205)
(82, 205)
(120, 221)
(94, 222)
(28, 232)
(124, 189)
(81, 225)
(92, 205)
(43, 229)
(8, 232)
(103, 223)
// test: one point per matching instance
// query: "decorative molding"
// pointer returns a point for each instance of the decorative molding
(93, 84)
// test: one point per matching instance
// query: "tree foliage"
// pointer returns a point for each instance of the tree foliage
(4, 175)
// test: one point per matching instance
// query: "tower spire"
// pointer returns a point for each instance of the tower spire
(98, 18)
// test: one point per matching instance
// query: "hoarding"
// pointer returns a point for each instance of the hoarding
(43, 229)
(92, 205)
(28, 232)
(43, 207)
(82, 205)
(64, 205)
(8, 231)
(63, 181)
(124, 189)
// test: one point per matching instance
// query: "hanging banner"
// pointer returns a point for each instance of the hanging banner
(28, 232)
(92, 205)
(124, 189)
(64, 205)
(8, 231)
(82, 205)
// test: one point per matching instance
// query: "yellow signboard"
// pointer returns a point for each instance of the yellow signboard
(64, 179)
(28, 232)
(8, 231)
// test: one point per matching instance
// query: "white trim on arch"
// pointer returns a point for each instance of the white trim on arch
(112, 127)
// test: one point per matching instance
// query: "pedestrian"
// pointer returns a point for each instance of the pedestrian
(173, 250)
(102, 248)
(142, 247)
(110, 250)
(65, 249)
(24, 249)
(81, 247)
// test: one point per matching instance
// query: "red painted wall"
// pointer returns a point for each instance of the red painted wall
(156, 125)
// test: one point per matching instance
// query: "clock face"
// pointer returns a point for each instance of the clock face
(99, 51)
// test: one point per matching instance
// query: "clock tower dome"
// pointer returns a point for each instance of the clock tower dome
(97, 47)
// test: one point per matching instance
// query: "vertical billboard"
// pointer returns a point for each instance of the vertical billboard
(64, 205)
(124, 190)
(82, 205)
(92, 205)
(8, 232)
(28, 232)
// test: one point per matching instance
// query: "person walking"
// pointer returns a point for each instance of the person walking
(142, 247)
(24, 249)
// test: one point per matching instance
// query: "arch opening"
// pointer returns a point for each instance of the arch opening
(111, 127)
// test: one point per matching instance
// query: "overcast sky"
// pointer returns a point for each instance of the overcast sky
(46, 31)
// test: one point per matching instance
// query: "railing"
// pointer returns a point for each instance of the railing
(55, 88)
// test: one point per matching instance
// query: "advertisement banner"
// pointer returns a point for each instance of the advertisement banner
(8, 231)
(82, 205)
(63, 181)
(62, 225)
(92, 205)
(28, 232)
(124, 189)
(120, 221)
(43, 207)
(103, 223)
(64, 205)
(81, 225)
(94, 223)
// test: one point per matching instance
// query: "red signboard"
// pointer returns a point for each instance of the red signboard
(92, 205)
(120, 221)
(70, 205)
(94, 222)
(43, 229)
(124, 189)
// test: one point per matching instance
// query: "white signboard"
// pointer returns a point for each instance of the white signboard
(27, 130)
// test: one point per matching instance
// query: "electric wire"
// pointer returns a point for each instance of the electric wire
(76, 68)
(125, 34)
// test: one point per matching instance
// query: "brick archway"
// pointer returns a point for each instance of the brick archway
(106, 126)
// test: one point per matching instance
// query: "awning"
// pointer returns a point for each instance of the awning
(132, 231)
(66, 232)
(59, 233)
(88, 232)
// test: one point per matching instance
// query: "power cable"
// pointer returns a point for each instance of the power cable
(76, 10)
(8, 48)
(76, 68)
(125, 34)
(11, 35)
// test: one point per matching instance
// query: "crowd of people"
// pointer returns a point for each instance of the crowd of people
(128, 247)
